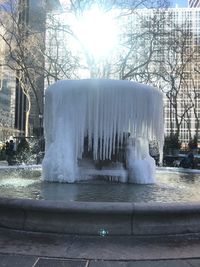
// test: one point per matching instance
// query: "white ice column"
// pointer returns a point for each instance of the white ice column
(141, 166)
(62, 165)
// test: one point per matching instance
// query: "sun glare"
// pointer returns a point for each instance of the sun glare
(97, 32)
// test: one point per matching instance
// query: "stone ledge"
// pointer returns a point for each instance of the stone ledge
(87, 218)
(73, 207)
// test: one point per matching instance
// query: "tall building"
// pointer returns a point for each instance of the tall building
(7, 103)
(22, 85)
(174, 67)
(7, 95)
(32, 18)
(194, 3)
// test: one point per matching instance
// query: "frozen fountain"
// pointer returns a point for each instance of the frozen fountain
(109, 114)
(88, 122)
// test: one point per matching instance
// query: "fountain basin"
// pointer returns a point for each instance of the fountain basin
(100, 218)
(82, 215)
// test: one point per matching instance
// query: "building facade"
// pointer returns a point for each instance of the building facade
(7, 95)
(194, 3)
(22, 74)
(174, 65)
(30, 82)
(179, 73)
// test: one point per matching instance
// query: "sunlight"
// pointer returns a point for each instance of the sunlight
(97, 32)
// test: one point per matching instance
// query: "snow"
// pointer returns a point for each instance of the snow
(104, 110)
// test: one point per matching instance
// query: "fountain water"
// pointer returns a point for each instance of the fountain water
(109, 113)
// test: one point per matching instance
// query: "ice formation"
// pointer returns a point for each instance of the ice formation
(104, 111)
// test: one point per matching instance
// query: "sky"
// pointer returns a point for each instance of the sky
(180, 3)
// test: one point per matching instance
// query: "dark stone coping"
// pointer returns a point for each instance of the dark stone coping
(100, 207)
(72, 207)
(96, 218)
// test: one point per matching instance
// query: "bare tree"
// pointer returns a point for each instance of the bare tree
(138, 45)
(150, 50)
(21, 51)
(173, 73)
(193, 96)
(133, 44)
(26, 54)
(158, 50)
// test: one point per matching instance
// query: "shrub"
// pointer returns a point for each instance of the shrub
(193, 143)
(171, 143)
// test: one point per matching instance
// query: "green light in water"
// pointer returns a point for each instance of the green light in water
(103, 232)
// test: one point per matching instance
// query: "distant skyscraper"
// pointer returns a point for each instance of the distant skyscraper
(32, 17)
(194, 3)
(7, 94)
(187, 103)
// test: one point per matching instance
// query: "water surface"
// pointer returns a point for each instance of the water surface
(170, 187)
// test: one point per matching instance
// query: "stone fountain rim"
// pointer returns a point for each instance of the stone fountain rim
(101, 207)
(89, 218)
(82, 218)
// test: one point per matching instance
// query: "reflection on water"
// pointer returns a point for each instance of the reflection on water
(170, 187)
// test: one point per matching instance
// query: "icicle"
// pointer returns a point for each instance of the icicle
(102, 110)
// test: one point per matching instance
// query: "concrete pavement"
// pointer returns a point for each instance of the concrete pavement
(24, 249)
(32, 261)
